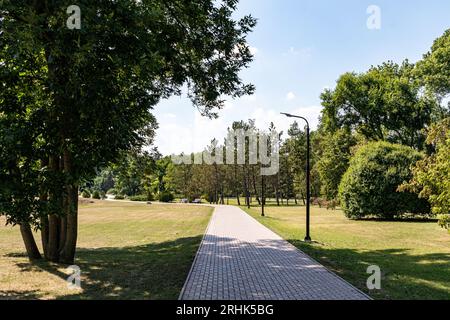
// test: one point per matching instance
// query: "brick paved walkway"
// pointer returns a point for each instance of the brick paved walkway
(240, 259)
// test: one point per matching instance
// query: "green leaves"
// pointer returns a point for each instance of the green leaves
(334, 161)
(383, 104)
(86, 95)
(370, 185)
(431, 176)
(434, 69)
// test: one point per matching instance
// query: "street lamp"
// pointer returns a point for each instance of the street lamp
(308, 191)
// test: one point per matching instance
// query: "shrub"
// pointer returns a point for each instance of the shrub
(96, 195)
(141, 197)
(370, 185)
(166, 196)
(86, 194)
(119, 197)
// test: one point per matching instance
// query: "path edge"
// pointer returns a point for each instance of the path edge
(325, 267)
(180, 297)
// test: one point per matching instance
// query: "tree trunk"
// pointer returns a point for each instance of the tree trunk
(236, 186)
(44, 235)
(263, 196)
(222, 197)
(254, 187)
(30, 243)
(245, 186)
(53, 220)
(44, 220)
(67, 254)
(53, 238)
(62, 233)
(277, 188)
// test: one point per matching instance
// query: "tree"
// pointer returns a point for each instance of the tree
(134, 172)
(383, 104)
(177, 179)
(295, 147)
(369, 187)
(431, 175)
(334, 160)
(434, 68)
(77, 99)
(104, 180)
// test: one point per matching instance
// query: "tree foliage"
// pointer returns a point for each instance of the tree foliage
(73, 101)
(334, 160)
(431, 175)
(369, 187)
(434, 68)
(383, 104)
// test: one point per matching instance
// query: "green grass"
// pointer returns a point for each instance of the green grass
(125, 251)
(414, 257)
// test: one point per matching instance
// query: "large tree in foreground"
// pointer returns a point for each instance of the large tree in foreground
(72, 100)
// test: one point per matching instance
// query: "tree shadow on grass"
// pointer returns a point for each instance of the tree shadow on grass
(151, 271)
(22, 295)
(404, 275)
(159, 270)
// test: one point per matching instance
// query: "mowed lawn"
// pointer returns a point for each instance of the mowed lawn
(126, 251)
(414, 257)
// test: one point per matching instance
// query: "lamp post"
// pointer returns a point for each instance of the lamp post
(308, 190)
(263, 201)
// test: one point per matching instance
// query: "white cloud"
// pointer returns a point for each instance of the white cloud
(290, 96)
(190, 132)
(264, 117)
(227, 106)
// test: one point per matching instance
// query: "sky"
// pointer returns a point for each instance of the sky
(300, 48)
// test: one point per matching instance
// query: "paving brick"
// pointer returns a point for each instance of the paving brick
(240, 259)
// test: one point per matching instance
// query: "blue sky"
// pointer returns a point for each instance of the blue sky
(302, 47)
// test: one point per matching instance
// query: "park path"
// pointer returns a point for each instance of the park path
(240, 259)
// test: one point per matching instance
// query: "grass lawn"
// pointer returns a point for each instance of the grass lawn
(414, 257)
(125, 251)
